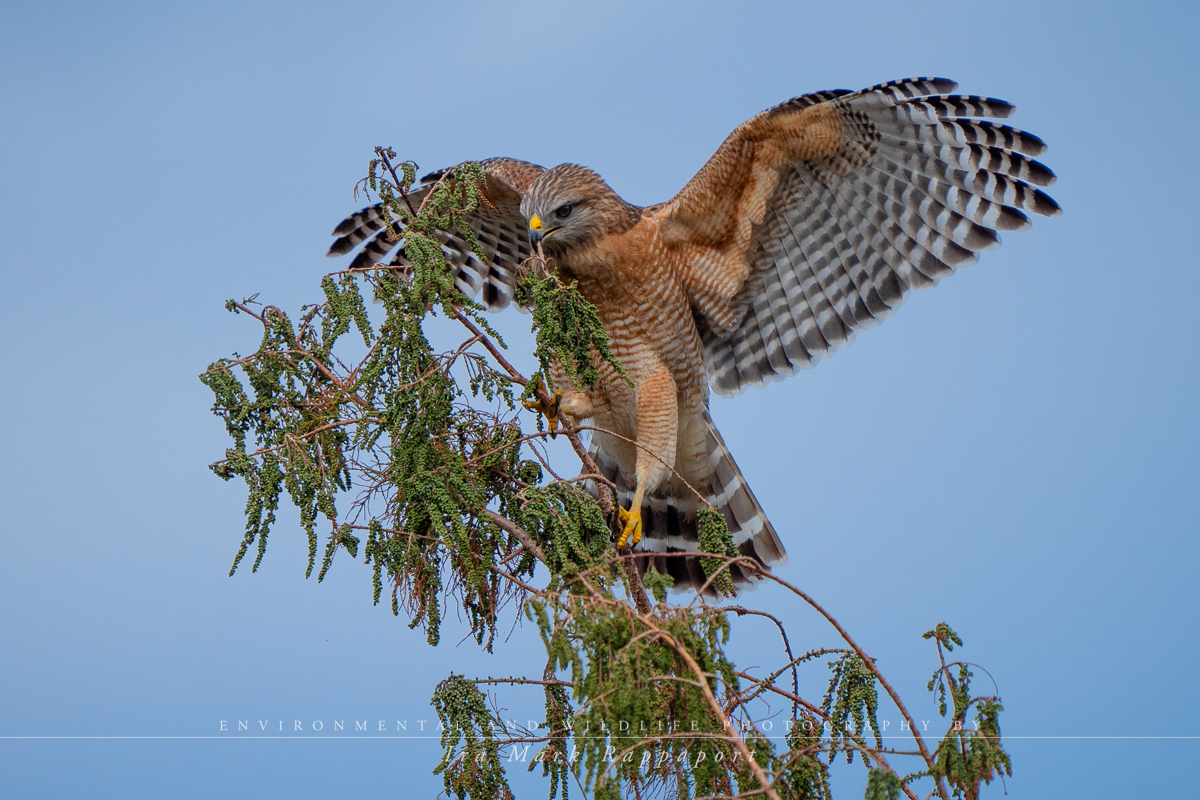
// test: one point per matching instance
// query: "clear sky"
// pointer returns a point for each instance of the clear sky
(1015, 452)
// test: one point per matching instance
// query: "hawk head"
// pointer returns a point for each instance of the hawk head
(570, 205)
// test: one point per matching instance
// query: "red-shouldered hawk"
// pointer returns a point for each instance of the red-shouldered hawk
(812, 221)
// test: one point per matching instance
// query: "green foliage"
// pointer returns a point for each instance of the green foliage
(969, 757)
(554, 757)
(427, 462)
(802, 775)
(715, 538)
(633, 663)
(294, 419)
(944, 635)
(657, 584)
(416, 458)
(470, 765)
(568, 523)
(966, 757)
(569, 331)
(851, 704)
(882, 785)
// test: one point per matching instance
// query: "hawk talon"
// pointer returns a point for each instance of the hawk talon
(548, 410)
(632, 520)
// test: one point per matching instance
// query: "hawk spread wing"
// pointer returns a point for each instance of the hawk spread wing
(499, 229)
(817, 217)
(792, 247)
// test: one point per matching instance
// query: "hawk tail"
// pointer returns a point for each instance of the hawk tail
(669, 522)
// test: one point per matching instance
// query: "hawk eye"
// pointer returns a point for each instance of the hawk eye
(563, 211)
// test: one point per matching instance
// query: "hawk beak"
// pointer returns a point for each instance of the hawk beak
(538, 230)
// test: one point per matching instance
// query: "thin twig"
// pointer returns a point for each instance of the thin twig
(742, 611)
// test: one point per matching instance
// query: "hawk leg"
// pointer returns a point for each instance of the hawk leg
(657, 432)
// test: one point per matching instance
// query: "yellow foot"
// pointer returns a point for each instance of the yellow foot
(548, 410)
(632, 533)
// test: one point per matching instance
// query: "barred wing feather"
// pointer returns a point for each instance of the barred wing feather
(919, 185)
(499, 229)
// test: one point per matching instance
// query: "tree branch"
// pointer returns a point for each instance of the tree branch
(505, 524)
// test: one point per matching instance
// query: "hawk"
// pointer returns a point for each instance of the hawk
(812, 221)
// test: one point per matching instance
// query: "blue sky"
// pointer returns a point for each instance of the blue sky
(1015, 452)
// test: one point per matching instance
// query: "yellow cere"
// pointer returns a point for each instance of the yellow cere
(536, 223)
